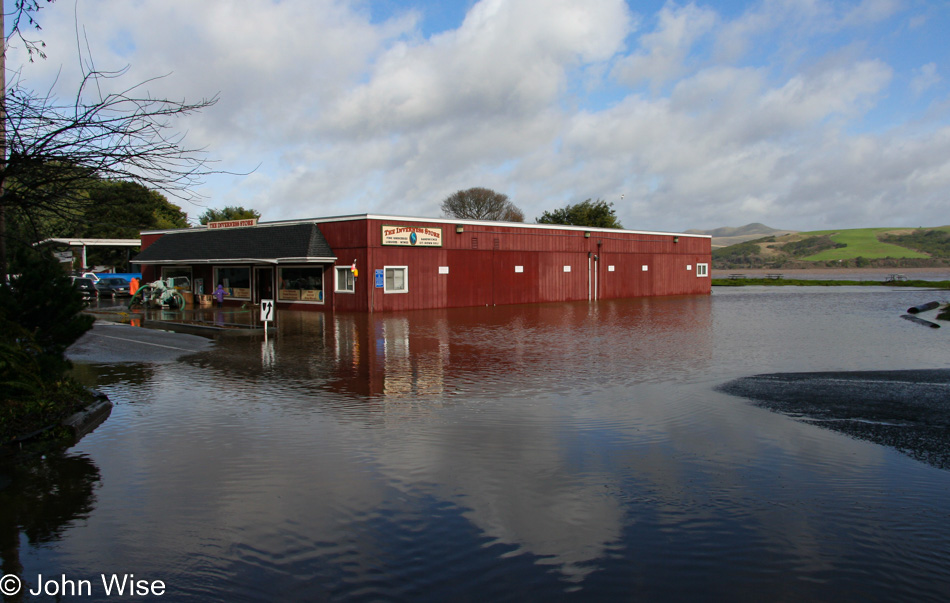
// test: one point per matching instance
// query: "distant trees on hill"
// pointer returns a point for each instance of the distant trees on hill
(811, 246)
(772, 252)
(934, 242)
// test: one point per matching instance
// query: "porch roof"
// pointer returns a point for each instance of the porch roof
(278, 244)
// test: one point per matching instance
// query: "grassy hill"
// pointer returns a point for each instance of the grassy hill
(891, 247)
(733, 235)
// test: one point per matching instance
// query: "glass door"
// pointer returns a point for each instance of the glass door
(264, 284)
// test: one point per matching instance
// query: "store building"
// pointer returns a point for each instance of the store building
(375, 263)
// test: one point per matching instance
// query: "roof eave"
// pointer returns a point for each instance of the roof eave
(298, 260)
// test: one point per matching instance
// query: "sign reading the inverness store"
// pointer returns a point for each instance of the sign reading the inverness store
(233, 223)
(412, 236)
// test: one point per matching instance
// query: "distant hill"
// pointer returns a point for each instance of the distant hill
(732, 235)
(890, 247)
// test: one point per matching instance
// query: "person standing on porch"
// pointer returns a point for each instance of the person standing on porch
(219, 294)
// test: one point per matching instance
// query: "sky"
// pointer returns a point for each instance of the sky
(800, 114)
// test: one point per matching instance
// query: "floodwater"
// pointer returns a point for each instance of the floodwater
(526, 453)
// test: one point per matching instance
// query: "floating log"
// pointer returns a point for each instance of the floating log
(923, 307)
(920, 321)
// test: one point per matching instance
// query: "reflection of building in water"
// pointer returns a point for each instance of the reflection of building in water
(375, 355)
(462, 350)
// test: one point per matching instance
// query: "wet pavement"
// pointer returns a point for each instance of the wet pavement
(908, 410)
(107, 342)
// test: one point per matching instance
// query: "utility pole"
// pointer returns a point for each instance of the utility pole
(3, 147)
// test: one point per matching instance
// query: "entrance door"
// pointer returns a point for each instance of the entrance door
(264, 284)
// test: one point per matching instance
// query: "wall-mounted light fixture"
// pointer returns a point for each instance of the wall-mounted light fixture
(459, 228)
(676, 239)
(586, 235)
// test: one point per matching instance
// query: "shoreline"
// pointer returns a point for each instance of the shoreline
(870, 274)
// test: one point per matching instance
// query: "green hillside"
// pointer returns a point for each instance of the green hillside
(860, 242)
(891, 247)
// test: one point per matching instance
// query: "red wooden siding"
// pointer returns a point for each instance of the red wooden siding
(481, 263)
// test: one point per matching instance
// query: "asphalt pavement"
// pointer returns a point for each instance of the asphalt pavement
(110, 342)
(908, 410)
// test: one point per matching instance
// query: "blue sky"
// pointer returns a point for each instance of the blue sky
(802, 114)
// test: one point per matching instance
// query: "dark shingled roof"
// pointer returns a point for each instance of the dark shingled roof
(267, 243)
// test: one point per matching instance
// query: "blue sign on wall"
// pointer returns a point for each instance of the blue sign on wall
(379, 279)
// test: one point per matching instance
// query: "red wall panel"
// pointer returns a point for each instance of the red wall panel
(481, 262)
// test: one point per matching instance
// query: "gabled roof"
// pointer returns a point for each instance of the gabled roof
(267, 244)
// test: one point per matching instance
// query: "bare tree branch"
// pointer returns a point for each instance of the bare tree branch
(22, 16)
(55, 149)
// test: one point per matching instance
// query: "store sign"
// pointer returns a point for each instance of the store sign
(412, 236)
(233, 223)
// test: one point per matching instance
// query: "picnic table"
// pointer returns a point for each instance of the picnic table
(775, 276)
(895, 277)
(736, 276)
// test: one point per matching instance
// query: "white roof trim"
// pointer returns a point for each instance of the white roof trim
(443, 221)
(93, 242)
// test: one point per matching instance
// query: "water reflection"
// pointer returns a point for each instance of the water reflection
(41, 498)
(515, 453)
(466, 350)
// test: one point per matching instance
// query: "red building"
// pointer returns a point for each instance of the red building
(373, 263)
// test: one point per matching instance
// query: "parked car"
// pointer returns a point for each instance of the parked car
(113, 287)
(86, 286)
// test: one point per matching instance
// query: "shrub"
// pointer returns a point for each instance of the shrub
(42, 300)
(40, 316)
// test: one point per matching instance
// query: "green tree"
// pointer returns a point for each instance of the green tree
(114, 210)
(598, 214)
(228, 213)
(42, 301)
(122, 210)
(481, 204)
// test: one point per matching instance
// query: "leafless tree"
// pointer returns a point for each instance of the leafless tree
(481, 204)
(52, 149)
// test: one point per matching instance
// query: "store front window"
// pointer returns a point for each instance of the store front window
(301, 284)
(236, 281)
(180, 277)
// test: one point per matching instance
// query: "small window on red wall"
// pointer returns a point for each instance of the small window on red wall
(396, 280)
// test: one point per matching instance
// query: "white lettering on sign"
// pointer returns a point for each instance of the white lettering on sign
(233, 223)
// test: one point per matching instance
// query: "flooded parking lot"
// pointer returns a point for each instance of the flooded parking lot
(564, 451)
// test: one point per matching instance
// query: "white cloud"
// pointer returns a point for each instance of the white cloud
(925, 78)
(663, 54)
(764, 115)
(506, 59)
(872, 11)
